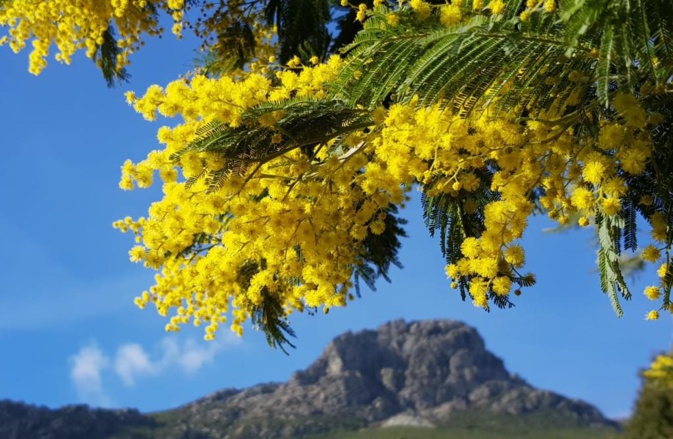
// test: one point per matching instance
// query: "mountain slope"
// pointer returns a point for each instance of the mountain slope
(23, 421)
(425, 374)
(419, 373)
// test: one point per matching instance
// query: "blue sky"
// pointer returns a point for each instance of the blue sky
(70, 333)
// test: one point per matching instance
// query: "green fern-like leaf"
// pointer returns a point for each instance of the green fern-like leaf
(302, 24)
(106, 56)
(269, 317)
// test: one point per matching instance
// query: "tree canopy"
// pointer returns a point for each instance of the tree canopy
(309, 122)
(653, 412)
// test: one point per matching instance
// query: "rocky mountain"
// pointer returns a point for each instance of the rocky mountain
(425, 374)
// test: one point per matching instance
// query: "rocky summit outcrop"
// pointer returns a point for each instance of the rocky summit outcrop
(424, 374)
(419, 373)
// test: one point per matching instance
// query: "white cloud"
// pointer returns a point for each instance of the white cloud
(87, 366)
(132, 361)
(193, 355)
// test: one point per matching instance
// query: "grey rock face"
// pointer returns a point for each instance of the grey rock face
(413, 365)
(425, 373)
(429, 371)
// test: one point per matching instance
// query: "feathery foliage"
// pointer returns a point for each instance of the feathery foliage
(292, 175)
(561, 70)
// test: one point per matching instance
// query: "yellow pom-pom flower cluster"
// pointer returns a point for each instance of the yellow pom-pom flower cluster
(421, 8)
(74, 25)
(293, 227)
(450, 15)
(533, 6)
(661, 371)
(286, 229)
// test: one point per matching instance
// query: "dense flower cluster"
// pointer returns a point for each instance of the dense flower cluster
(448, 154)
(285, 228)
(301, 220)
(233, 231)
(661, 371)
(72, 26)
(293, 226)
(83, 25)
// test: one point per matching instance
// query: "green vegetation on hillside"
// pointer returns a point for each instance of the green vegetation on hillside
(470, 425)
(478, 425)
(446, 433)
(653, 412)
